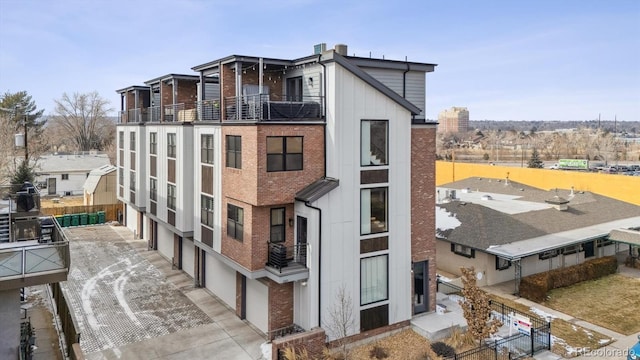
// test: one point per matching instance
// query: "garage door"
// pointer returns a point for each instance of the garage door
(187, 256)
(165, 242)
(258, 304)
(221, 280)
(132, 220)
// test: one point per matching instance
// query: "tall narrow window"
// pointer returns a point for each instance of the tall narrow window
(373, 210)
(121, 140)
(121, 176)
(206, 210)
(374, 140)
(374, 279)
(206, 149)
(171, 145)
(153, 189)
(171, 197)
(277, 225)
(284, 153)
(235, 222)
(153, 143)
(132, 141)
(132, 180)
(234, 151)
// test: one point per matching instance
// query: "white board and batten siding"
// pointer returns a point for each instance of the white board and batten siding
(188, 253)
(221, 280)
(258, 305)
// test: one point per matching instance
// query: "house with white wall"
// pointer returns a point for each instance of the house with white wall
(65, 174)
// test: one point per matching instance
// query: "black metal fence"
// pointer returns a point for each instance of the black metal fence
(513, 347)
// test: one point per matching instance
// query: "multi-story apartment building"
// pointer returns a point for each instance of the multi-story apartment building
(278, 184)
(454, 120)
(33, 251)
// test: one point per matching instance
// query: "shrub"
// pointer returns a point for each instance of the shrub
(378, 352)
(442, 349)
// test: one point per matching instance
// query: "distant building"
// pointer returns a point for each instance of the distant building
(100, 186)
(455, 119)
(65, 175)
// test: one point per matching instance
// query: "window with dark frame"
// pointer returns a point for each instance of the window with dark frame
(121, 176)
(171, 145)
(548, 254)
(235, 222)
(502, 264)
(206, 210)
(374, 142)
(374, 279)
(206, 149)
(284, 153)
(132, 141)
(121, 140)
(277, 225)
(65, 176)
(373, 210)
(463, 250)
(234, 151)
(132, 180)
(171, 197)
(153, 189)
(572, 249)
(153, 143)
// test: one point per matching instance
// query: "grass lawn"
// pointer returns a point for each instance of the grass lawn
(611, 302)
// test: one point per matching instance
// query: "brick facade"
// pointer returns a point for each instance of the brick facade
(423, 241)
(280, 305)
(313, 341)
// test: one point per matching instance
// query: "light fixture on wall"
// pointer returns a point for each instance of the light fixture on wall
(310, 81)
(290, 222)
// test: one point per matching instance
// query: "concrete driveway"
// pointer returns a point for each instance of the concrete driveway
(130, 304)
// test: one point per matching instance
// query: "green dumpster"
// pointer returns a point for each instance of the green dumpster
(93, 218)
(75, 219)
(84, 218)
(102, 217)
(66, 220)
(59, 220)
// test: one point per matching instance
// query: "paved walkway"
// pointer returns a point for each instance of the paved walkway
(131, 304)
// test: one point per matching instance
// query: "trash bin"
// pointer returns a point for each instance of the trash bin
(66, 220)
(102, 217)
(46, 229)
(93, 218)
(59, 219)
(84, 219)
(75, 219)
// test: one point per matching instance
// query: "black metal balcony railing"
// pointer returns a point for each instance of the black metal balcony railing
(23, 198)
(281, 256)
(262, 108)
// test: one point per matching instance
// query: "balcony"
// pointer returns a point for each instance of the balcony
(288, 261)
(19, 200)
(38, 254)
(261, 108)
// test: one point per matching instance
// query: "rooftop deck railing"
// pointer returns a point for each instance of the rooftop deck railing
(263, 108)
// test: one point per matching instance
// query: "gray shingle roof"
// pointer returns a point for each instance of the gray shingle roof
(56, 164)
(317, 189)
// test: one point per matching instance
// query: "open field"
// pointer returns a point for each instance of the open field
(47, 202)
(611, 302)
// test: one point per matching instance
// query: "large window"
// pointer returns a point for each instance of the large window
(132, 141)
(153, 143)
(374, 279)
(132, 180)
(277, 225)
(171, 145)
(373, 210)
(171, 197)
(235, 221)
(284, 153)
(121, 140)
(153, 189)
(206, 149)
(206, 210)
(234, 151)
(374, 140)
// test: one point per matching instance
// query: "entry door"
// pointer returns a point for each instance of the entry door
(589, 250)
(420, 287)
(51, 186)
(294, 89)
(301, 236)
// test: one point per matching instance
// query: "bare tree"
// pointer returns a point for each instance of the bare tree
(341, 321)
(476, 307)
(84, 118)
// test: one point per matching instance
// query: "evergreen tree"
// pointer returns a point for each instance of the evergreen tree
(535, 161)
(22, 174)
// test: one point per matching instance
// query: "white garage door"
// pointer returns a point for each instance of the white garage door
(165, 242)
(187, 256)
(221, 280)
(258, 304)
(132, 220)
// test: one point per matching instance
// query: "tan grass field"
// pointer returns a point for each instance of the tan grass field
(47, 202)
(611, 302)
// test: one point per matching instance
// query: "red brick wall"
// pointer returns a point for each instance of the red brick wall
(312, 341)
(423, 242)
(280, 305)
(187, 93)
(227, 83)
(166, 94)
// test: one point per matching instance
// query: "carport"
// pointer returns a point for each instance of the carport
(630, 237)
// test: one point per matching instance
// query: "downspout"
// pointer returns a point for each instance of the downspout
(404, 86)
(324, 90)
(324, 106)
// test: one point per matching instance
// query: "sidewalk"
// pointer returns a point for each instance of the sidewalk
(38, 308)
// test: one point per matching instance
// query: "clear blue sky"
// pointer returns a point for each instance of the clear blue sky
(504, 60)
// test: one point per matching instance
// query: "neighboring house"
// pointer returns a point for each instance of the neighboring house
(507, 230)
(100, 186)
(283, 181)
(65, 174)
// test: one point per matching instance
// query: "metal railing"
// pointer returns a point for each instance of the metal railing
(280, 255)
(32, 259)
(208, 110)
(285, 331)
(19, 198)
(262, 108)
(154, 114)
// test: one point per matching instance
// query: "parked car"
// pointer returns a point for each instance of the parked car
(634, 351)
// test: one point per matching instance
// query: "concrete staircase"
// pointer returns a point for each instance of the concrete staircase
(5, 227)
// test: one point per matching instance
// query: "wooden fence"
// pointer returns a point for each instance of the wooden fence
(69, 326)
(111, 210)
